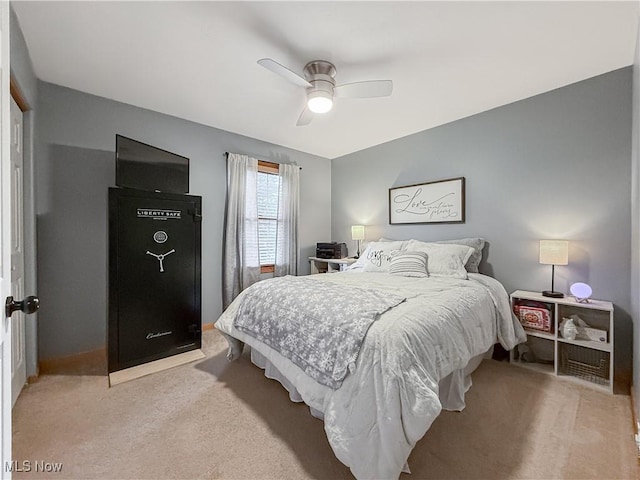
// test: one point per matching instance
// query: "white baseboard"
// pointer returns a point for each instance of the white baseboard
(636, 421)
(138, 371)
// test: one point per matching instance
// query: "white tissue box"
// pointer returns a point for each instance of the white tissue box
(593, 334)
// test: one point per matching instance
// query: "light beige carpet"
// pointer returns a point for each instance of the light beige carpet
(217, 420)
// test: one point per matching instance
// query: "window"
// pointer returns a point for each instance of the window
(268, 189)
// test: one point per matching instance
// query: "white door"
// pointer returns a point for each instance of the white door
(18, 360)
(5, 244)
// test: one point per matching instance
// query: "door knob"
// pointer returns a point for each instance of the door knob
(28, 305)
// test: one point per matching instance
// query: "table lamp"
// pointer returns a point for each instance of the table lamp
(357, 233)
(554, 252)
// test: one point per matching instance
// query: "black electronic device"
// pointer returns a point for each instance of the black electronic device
(331, 250)
(145, 167)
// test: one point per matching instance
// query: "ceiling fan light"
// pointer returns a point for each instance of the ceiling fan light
(319, 102)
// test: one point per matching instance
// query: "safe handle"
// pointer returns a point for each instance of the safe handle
(28, 305)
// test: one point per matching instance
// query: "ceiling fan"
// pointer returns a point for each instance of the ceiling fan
(319, 81)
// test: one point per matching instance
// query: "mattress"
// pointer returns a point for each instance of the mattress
(388, 403)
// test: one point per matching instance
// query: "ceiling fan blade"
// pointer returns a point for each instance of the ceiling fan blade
(305, 118)
(284, 72)
(369, 89)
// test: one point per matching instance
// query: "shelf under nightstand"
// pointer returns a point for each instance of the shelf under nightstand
(329, 265)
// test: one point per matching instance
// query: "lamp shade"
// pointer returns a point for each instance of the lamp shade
(357, 232)
(554, 252)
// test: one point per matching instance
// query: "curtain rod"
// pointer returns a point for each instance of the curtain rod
(227, 154)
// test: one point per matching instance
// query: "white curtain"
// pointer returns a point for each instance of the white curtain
(287, 232)
(241, 253)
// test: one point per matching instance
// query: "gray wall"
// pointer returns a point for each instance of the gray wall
(75, 166)
(21, 67)
(635, 226)
(556, 165)
(24, 77)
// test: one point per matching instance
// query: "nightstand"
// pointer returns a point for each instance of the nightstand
(587, 358)
(329, 265)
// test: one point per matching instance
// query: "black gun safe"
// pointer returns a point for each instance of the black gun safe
(154, 275)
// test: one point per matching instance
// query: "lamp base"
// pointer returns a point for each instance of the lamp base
(552, 294)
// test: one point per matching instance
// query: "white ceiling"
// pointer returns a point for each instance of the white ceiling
(448, 60)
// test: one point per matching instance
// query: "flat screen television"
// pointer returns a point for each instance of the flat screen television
(144, 167)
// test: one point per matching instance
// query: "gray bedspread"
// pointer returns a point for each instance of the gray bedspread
(292, 316)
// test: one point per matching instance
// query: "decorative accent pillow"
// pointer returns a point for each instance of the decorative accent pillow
(444, 260)
(377, 256)
(477, 244)
(409, 264)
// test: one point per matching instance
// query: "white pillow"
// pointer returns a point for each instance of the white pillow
(403, 242)
(377, 256)
(476, 257)
(409, 264)
(444, 260)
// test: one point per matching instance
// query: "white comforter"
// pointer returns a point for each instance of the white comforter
(382, 409)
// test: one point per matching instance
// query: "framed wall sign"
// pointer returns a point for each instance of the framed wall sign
(432, 202)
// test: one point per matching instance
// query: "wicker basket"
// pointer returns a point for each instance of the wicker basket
(585, 363)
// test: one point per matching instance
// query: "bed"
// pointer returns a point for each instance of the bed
(415, 358)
